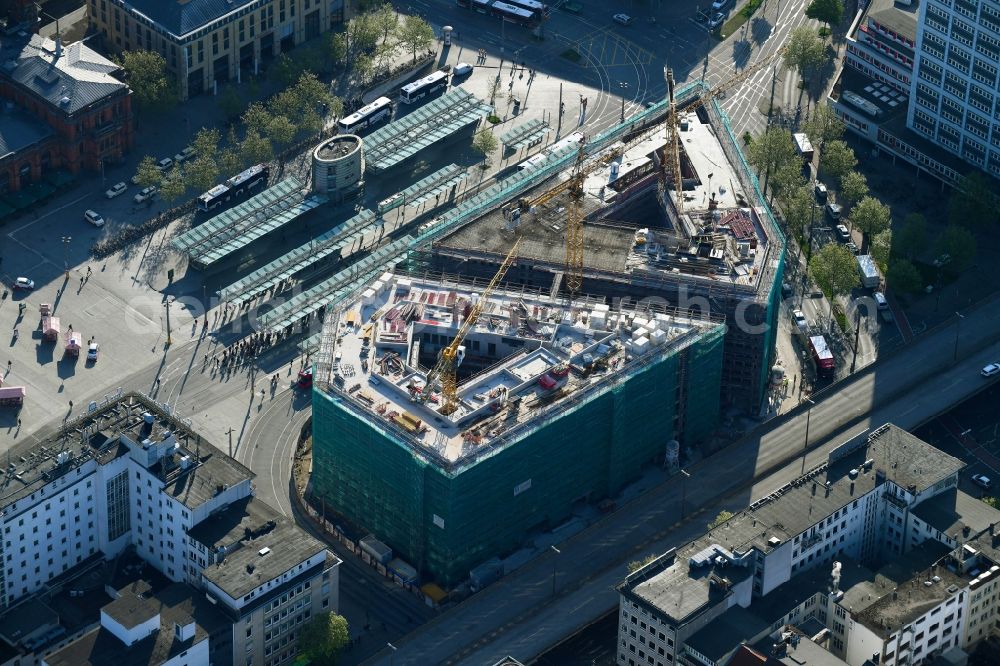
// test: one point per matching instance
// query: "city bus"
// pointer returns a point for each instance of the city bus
(430, 84)
(822, 357)
(542, 10)
(235, 187)
(559, 147)
(505, 11)
(366, 117)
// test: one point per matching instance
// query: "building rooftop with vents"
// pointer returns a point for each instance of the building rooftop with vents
(684, 586)
(69, 78)
(157, 628)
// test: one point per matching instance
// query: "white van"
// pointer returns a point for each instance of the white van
(880, 301)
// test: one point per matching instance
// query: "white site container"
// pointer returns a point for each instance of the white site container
(368, 296)
(641, 345)
(658, 338)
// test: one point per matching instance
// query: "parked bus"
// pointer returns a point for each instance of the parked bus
(366, 117)
(235, 187)
(430, 84)
(542, 10)
(559, 147)
(822, 357)
(506, 11)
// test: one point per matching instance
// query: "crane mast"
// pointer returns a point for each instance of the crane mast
(445, 368)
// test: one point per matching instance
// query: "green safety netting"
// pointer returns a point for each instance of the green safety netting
(440, 118)
(296, 260)
(446, 519)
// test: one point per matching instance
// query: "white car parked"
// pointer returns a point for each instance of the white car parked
(115, 190)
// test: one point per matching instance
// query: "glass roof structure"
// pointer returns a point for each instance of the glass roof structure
(333, 289)
(436, 120)
(296, 260)
(237, 227)
(529, 134)
(425, 188)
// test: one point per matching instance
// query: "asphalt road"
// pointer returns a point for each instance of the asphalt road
(520, 616)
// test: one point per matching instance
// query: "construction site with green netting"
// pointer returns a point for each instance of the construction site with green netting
(563, 397)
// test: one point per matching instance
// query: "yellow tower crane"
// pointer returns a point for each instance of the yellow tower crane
(671, 163)
(445, 369)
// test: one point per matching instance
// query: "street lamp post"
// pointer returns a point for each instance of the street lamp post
(66, 240)
(958, 328)
(805, 444)
(557, 552)
(684, 477)
(392, 652)
(167, 305)
(624, 87)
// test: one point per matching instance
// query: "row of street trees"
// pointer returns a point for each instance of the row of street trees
(297, 111)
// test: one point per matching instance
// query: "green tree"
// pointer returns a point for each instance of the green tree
(146, 174)
(871, 216)
(853, 188)
(485, 143)
(383, 55)
(323, 638)
(385, 21)
(960, 243)
(834, 269)
(364, 67)
(904, 277)
(797, 207)
(786, 179)
(201, 174)
(256, 118)
(362, 35)
(911, 237)
(415, 34)
(173, 186)
(881, 247)
(838, 159)
(722, 517)
(805, 51)
(206, 143)
(824, 125)
(256, 148)
(771, 151)
(147, 76)
(284, 71)
(337, 47)
(281, 132)
(230, 103)
(230, 161)
(973, 202)
(826, 11)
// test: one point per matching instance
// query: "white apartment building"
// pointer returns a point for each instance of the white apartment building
(130, 475)
(954, 92)
(857, 507)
